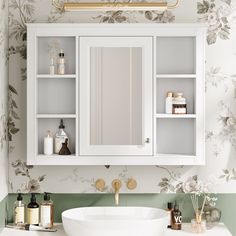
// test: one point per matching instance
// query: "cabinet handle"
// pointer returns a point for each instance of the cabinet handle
(147, 140)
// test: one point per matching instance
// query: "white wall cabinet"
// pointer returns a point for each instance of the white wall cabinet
(112, 97)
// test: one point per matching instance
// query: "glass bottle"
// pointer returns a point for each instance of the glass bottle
(33, 211)
(19, 210)
(60, 137)
(46, 212)
(61, 63)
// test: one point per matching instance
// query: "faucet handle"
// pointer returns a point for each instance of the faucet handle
(100, 185)
(116, 184)
(131, 184)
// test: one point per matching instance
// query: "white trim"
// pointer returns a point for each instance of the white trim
(181, 76)
(173, 116)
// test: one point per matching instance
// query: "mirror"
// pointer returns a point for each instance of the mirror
(116, 97)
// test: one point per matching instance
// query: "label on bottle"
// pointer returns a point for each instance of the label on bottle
(61, 69)
(58, 143)
(177, 219)
(19, 215)
(33, 216)
(45, 218)
(176, 223)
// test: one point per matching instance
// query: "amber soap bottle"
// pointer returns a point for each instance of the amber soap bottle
(33, 211)
(176, 218)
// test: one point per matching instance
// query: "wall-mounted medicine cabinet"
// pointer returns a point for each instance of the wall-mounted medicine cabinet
(112, 95)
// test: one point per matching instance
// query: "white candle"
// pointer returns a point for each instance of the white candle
(48, 144)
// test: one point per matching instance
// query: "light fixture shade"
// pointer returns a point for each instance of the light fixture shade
(114, 6)
(137, 6)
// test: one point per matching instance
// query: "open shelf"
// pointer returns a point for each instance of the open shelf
(44, 53)
(176, 55)
(175, 137)
(56, 96)
(183, 85)
(52, 124)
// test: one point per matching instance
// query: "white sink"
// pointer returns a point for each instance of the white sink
(115, 221)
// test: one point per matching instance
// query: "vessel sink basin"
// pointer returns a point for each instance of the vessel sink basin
(115, 221)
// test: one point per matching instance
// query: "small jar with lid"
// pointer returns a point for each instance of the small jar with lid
(179, 105)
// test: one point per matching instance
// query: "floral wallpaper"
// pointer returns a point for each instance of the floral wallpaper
(220, 170)
(3, 97)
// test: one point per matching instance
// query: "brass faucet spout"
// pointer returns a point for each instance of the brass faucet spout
(116, 184)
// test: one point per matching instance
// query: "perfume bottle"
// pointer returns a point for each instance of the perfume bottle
(61, 63)
(60, 137)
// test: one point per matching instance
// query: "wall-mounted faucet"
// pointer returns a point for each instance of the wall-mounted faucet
(116, 185)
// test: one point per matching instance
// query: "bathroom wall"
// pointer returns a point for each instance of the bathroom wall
(3, 98)
(220, 170)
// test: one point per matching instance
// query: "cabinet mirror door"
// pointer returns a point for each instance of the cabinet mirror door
(116, 96)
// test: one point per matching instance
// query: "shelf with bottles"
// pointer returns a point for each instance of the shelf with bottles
(50, 50)
(176, 55)
(56, 96)
(52, 124)
(176, 137)
(184, 86)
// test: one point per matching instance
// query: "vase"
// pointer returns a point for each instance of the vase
(212, 215)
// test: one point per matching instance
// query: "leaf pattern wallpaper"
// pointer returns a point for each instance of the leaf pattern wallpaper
(3, 97)
(220, 170)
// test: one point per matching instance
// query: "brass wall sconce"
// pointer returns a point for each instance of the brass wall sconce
(108, 6)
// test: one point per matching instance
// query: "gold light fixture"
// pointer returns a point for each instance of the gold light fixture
(108, 6)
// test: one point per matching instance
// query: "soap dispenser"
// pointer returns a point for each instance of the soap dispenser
(33, 211)
(47, 212)
(19, 210)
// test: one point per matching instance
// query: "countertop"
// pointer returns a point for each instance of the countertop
(219, 230)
